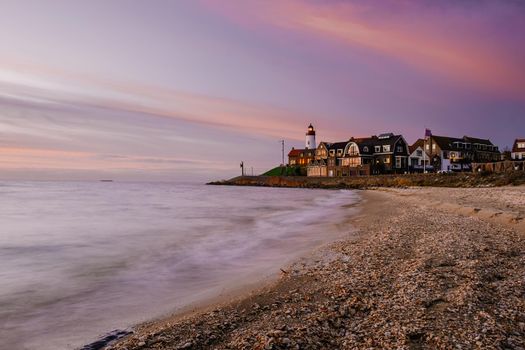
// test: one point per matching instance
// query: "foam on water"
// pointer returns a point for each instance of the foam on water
(80, 259)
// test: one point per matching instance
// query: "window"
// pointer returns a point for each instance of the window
(387, 160)
(427, 147)
(339, 152)
(433, 146)
(365, 149)
(332, 152)
(352, 162)
(400, 148)
(419, 153)
(521, 145)
(468, 146)
(398, 162)
(386, 148)
(378, 149)
(353, 150)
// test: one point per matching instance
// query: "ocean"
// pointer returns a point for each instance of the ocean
(81, 259)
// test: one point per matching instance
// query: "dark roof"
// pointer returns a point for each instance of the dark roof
(476, 140)
(418, 143)
(337, 145)
(447, 143)
(373, 141)
(515, 147)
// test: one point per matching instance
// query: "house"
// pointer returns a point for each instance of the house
(458, 154)
(303, 157)
(383, 154)
(518, 150)
(419, 160)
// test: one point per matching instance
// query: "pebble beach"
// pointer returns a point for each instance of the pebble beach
(421, 268)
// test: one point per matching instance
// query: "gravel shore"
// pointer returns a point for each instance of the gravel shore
(426, 269)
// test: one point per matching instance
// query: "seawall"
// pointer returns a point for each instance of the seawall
(364, 182)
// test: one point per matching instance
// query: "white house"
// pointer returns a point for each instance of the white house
(518, 150)
(418, 157)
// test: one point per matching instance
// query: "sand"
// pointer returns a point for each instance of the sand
(426, 268)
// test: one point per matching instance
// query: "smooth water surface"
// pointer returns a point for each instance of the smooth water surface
(79, 259)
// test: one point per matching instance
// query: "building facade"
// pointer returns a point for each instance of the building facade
(458, 154)
(419, 160)
(301, 157)
(518, 150)
(383, 154)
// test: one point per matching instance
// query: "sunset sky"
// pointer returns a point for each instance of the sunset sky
(185, 90)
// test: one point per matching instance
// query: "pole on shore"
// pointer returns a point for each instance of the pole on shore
(242, 168)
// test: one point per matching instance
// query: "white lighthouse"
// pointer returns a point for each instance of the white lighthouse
(310, 138)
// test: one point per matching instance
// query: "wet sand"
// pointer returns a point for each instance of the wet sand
(426, 268)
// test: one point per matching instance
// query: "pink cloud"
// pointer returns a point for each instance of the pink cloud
(452, 44)
(215, 111)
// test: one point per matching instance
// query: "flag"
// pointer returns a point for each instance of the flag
(428, 133)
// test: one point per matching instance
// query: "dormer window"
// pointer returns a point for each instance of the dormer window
(365, 149)
(400, 149)
(378, 149)
(386, 148)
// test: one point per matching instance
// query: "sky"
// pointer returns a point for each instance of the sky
(184, 90)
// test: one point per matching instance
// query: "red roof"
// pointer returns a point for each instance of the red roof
(295, 152)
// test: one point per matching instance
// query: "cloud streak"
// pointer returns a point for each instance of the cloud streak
(433, 40)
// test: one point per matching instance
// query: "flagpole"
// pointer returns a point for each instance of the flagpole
(424, 152)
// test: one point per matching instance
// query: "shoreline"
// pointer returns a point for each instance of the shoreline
(426, 275)
(452, 180)
(238, 292)
(241, 294)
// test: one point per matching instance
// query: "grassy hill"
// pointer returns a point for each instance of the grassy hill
(286, 171)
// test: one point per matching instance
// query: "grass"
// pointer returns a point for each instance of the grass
(288, 171)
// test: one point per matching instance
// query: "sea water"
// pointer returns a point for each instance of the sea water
(80, 259)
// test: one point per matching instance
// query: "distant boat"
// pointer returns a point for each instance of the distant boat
(106, 180)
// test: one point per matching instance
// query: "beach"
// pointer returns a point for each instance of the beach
(424, 268)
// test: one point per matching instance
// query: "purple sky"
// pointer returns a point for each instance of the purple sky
(178, 90)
